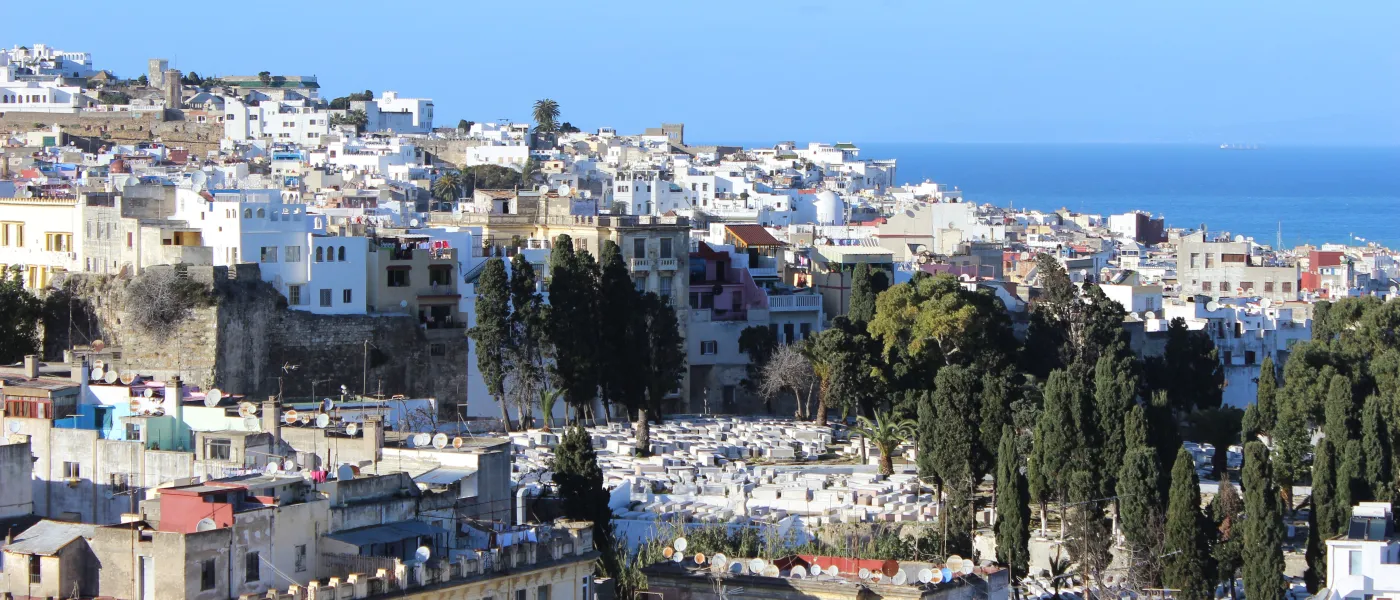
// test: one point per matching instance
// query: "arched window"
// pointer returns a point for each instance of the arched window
(261, 213)
(247, 213)
(320, 253)
(342, 254)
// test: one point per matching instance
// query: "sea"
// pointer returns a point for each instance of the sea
(1311, 194)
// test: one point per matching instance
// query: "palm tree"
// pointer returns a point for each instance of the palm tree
(547, 400)
(546, 115)
(447, 186)
(887, 432)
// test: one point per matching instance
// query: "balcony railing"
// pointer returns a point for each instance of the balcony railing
(641, 264)
(667, 264)
(794, 303)
(763, 271)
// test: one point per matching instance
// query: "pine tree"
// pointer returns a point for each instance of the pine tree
(492, 331)
(1263, 527)
(1375, 446)
(1139, 512)
(1340, 425)
(579, 480)
(1187, 547)
(1013, 507)
(862, 307)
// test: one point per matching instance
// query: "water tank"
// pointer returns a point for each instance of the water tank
(830, 209)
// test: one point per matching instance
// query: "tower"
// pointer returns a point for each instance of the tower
(155, 72)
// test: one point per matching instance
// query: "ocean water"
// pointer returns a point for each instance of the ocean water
(1317, 194)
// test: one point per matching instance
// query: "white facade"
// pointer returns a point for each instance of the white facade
(37, 96)
(366, 157)
(389, 112)
(1244, 332)
(1365, 562)
(513, 155)
(254, 226)
(43, 60)
(38, 235)
(295, 121)
(337, 278)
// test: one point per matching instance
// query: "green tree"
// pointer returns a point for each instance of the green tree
(1139, 510)
(995, 407)
(933, 317)
(492, 331)
(19, 317)
(1056, 444)
(1189, 370)
(955, 450)
(464, 125)
(1331, 517)
(617, 354)
(862, 308)
(1340, 425)
(1187, 565)
(579, 480)
(572, 324)
(1351, 476)
(1089, 536)
(665, 363)
(1263, 527)
(1265, 404)
(1313, 553)
(1226, 511)
(1013, 508)
(1219, 427)
(528, 346)
(546, 114)
(1375, 446)
(1291, 442)
(841, 357)
(886, 432)
(265, 78)
(1135, 429)
(447, 187)
(1115, 393)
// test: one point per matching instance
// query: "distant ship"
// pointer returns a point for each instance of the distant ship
(1239, 146)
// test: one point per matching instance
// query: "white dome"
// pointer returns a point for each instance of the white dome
(830, 209)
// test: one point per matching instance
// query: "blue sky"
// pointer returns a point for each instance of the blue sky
(1277, 71)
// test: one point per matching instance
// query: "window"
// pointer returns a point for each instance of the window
(60, 242)
(218, 449)
(806, 329)
(133, 432)
(1288, 287)
(1353, 563)
(666, 247)
(206, 575)
(437, 349)
(1268, 287)
(1232, 258)
(262, 214)
(130, 239)
(1247, 286)
(268, 254)
(542, 592)
(71, 470)
(398, 278)
(293, 254)
(666, 288)
(440, 276)
(1248, 357)
(709, 347)
(521, 595)
(294, 295)
(118, 483)
(325, 297)
(1224, 287)
(787, 333)
(345, 296)
(340, 254)
(1205, 286)
(35, 569)
(1210, 260)
(639, 248)
(250, 567)
(320, 254)
(301, 558)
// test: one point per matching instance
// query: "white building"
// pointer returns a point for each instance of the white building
(288, 121)
(1244, 332)
(255, 226)
(43, 60)
(1365, 561)
(389, 112)
(19, 94)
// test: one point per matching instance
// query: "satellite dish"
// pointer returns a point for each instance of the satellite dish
(422, 439)
(98, 345)
(344, 472)
(327, 404)
(756, 566)
(901, 577)
(736, 568)
(877, 577)
(1149, 315)
(681, 544)
(289, 465)
(954, 562)
(14, 426)
(98, 373)
(719, 560)
(197, 179)
(864, 573)
(423, 553)
(457, 443)
(1212, 306)
(832, 570)
(947, 574)
(290, 417)
(814, 570)
(247, 409)
(771, 571)
(97, 364)
(403, 304)
(668, 552)
(699, 558)
(128, 378)
(322, 420)
(212, 398)
(934, 576)
(305, 418)
(1266, 303)
(149, 393)
(564, 190)
(678, 557)
(967, 567)
(352, 429)
(134, 406)
(798, 573)
(925, 575)
(250, 423)
(272, 468)
(206, 524)
(1239, 238)
(111, 377)
(440, 441)
(413, 223)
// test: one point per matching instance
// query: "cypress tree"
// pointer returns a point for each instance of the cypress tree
(1088, 535)
(572, 324)
(579, 480)
(862, 308)
(956, 444)
(528, 343)
(1056, 442)
(1225, 510)
(1013, 507)
(1187, 547)
(1375, 446)
(1324, 489)
(1135, 429)
(492, 331)
(1139, 511)
(1291, 445)
(1265, 402)
(1340, 426)
(1263, 528)
(1115, 389)
(995, 407)
(1351, 477)
(619, 306)
(1316, 558)
(1162, 434)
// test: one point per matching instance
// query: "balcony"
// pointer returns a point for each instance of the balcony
(640, 264)
(667, 264)
(763, 271)
(804, 302)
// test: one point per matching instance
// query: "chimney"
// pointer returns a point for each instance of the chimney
(79, 372)
(31, 366)
(272, 422)
(373, 431)
(175, 406)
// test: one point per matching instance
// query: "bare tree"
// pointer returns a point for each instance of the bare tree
(789, 370)
(159, 300)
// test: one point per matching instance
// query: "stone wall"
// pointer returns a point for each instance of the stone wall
(122, 127)
(247, 338)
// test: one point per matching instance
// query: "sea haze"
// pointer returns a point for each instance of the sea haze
(1318, 194)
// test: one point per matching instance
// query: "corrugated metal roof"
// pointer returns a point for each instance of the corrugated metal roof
(383, 534)
(48, 537)
(444, 475)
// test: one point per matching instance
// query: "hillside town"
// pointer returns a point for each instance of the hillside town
(263, 343)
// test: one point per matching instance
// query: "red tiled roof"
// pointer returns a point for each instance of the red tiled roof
(753, 235)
